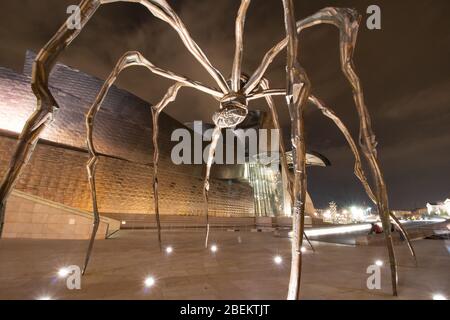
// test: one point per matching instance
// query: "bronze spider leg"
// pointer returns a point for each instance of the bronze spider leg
(212, 149)
(162, 10)
(45, 106)
(239, 47)
(358, 170)
(235, 87)
(132, 58)
(169, 97)
(347, 21)
(264, 85)
(297, 93)
(368, 146)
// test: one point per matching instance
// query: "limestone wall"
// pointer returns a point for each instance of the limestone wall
(31, 217)
(122, 134)
(59, 174)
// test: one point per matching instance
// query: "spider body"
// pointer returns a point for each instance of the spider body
(233, 110)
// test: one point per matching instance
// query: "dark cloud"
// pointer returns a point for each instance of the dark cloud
(404, 68)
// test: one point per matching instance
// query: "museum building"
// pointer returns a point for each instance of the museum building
(52, 197)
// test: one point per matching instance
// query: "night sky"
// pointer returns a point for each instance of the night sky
(404, 68)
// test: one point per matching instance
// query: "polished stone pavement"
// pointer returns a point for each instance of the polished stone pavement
(242, 268)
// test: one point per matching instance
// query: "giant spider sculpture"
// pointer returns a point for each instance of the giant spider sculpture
(233, 97)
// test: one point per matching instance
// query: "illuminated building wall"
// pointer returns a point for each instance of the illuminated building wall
(123, 138)
(441, 208)
(267, 184)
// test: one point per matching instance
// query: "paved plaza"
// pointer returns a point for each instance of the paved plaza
(242, 268)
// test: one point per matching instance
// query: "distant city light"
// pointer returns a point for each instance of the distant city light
(278, 259)
(124, 222)
(379, 263)
(439, 296)
(213, 248)
(149, 282)
(357, 213)
(349, 215)
(447, 206)
(169, 249)
(440, 208)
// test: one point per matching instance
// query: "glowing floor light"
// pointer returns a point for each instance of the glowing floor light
(379, 263)
(169, 250)
(213, 248)
(303, 249)
(278, 259)
(44, 298)
(439, 296)
(149, 282)
(63, 272)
